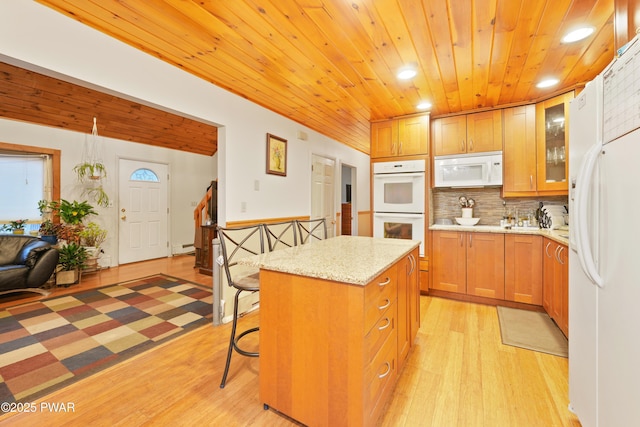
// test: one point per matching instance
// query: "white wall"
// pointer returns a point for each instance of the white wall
(190, 175)
(36, 37)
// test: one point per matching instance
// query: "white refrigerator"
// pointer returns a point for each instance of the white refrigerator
(604, 260)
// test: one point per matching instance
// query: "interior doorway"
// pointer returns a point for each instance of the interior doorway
(143, 211)
(323, 191)
(348, 219)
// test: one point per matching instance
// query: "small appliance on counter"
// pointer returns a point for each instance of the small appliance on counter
(552, 216)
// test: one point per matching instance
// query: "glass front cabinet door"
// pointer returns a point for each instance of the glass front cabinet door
(552, 133)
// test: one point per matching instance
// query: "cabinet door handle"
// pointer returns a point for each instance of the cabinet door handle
(400, 147)
(412, 261)
(546, 249)
(531, 181)
(462, 145)
(387, 371)
(470, 240)
(385, 283)
(387, 304)
(386, 325)
(470, 144)
(560, 249)
(461, 239)
(556, 253)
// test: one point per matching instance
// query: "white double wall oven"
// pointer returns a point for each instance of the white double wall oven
(399, 200)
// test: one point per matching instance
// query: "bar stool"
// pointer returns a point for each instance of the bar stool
(311, 230)
(237, 243)
(281, 235)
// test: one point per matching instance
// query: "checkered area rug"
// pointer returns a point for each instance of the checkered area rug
(49, 344)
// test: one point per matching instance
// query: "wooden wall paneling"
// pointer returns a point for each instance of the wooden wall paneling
(37, 98)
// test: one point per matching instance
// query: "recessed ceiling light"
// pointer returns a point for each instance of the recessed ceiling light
(547, 83)
(423, 105)
(407, 73)
(579, 34)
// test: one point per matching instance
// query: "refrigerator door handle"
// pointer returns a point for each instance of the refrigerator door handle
(584, 248)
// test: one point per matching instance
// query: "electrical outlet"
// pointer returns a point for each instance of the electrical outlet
(243, 206)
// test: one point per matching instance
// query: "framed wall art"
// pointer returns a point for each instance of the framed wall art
(276, 155)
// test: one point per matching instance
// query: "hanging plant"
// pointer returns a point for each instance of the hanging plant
(91, 171)
(98, 195)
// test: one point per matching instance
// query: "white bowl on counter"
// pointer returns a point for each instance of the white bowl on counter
(467, 221)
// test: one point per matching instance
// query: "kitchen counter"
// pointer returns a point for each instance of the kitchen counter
(560, 236)
(349, 259)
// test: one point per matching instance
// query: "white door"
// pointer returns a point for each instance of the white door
(323, 191)
(142, 211)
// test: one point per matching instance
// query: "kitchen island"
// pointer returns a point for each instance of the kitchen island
(337, 320)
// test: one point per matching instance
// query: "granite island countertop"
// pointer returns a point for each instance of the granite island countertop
(349, 259)
(560, 236)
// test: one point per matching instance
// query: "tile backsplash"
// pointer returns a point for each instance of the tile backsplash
(488, 203)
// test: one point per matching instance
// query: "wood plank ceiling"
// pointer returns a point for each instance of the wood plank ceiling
(331, 64)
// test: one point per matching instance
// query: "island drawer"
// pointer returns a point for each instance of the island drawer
(380, 372)
(377, 336)
(379, 294)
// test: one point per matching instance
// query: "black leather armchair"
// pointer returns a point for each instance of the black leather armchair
(26, 263)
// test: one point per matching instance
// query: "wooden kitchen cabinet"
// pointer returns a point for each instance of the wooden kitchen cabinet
(485, 265)
(400, 137)
(468, 263)
(519, 154)
(470, 133)
(552, 136)
(523, 268)
(449, 261)
(555, 293)
(408, 305)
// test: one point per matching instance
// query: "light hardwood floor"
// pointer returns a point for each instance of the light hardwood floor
(458, 374)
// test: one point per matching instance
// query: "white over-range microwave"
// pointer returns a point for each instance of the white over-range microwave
(468, 170)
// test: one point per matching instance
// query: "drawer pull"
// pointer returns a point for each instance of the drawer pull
(387, 304)
(386, 282)
(387, 372)
(385, 326)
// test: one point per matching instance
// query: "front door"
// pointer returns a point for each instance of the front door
(323, 192)
(142, 211)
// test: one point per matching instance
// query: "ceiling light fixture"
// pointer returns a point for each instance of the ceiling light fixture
(424, 105)
(578, 34)
(407, 73)
(547, 83)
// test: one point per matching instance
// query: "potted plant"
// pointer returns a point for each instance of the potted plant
(49, 231)
(17, 226)
(92, 236)
(72, 258)
(73, 213)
